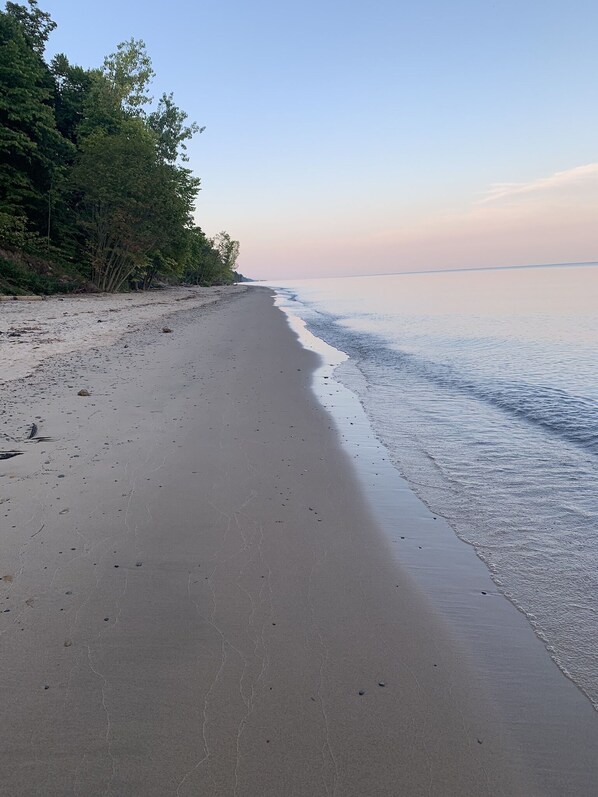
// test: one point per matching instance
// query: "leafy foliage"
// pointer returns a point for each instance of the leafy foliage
(211, 261)
(35, 24)
(31, 146)
(168, 123)
(129, 73)
(32, 275)
(92, 178)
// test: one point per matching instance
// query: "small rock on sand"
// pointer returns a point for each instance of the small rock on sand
(84, 393)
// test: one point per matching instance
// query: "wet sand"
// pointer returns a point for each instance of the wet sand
(200, 600)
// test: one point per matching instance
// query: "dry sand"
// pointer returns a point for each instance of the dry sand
(35, 328)
(196, 599)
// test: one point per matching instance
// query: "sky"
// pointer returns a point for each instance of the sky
(346, 139)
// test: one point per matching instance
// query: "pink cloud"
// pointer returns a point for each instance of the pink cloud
(559, 180)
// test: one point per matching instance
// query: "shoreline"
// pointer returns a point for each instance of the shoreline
(197, 535)
(510, 659)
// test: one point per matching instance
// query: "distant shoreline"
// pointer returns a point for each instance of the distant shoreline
(582, 264)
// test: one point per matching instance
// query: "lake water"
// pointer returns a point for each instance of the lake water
(483, 386)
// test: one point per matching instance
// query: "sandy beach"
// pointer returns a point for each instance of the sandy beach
(196, 596)
(35, 328)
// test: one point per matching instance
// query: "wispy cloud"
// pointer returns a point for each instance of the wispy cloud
(558, 180)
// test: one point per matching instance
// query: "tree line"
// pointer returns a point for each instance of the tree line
(95, 189)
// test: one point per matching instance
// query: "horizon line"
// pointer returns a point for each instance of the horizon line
(447, 270)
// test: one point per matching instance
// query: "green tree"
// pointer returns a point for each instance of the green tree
(35, 24)
(73, 88)
(129, 72)
(133, 207)
(203, 264)
(115, 93)
(175, 191)
(228, 252)
(31, 147)
(211, 261)
(86, 168)
(110, 176)
(168, 123)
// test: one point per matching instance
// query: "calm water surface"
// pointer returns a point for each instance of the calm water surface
(483, 385)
